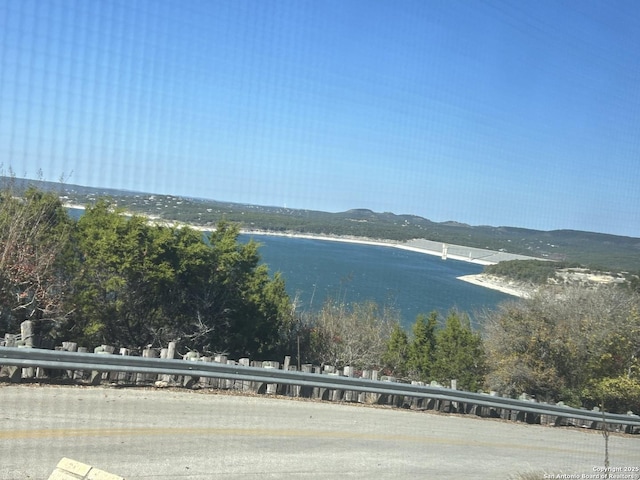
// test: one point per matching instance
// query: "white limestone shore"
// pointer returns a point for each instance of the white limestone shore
(497, 283)
(368, 241)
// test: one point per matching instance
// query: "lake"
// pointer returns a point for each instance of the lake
(317, 270)
(412, 282)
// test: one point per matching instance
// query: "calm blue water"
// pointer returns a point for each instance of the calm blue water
(315, 270)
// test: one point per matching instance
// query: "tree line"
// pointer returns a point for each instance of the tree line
(110, 278)
(120, 280)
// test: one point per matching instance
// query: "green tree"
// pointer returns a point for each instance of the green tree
(397, 351)
(149, 284)
(124, 271)
(253, 312)
(459, 353)
(617, 394)
(423, 346)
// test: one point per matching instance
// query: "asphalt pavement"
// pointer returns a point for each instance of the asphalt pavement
(170, 434)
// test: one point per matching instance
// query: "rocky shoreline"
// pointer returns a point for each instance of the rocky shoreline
(500, 284)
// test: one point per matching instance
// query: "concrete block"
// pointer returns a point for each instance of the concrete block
(68, 469)
(72, 468)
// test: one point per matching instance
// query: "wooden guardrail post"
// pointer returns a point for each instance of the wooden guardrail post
(144, 378)
(271, 388)
(294, 390)
(10, 340)
(26, 333)
(244, 385)
(374, 397)
(327, 393)
(283, 389)
(316, 392)
(305, 391)
(256, 386)
(96, 377)
(168, 353)
(363, 397)
(71, 347)
(416, 402)
(219, 382)
(388, 399)
(188, 381)
(349, 395)
(230, 383)
(206, 382)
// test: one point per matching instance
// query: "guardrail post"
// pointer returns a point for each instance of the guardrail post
(305, 391)
(271, 388)
(171, 354)
(168, 353)
(143, 378)
(188, 381)
(488, 412)
(374, 397)
(205, 382)
(417, 403)
(229, 382)
(96, 377)
(336, 395)
(244, 385)
(124, 376)
(349, 395)
(256, 386)
(215, 382)
(71, 347)
(294, 390)
(454, 406)
(364, 396)
(171, 350)
(218, 382)
(316, 392)
(326, 393)
(26, 333)
(77, 374)
(388, 399)
(284, 389)
(630, 429)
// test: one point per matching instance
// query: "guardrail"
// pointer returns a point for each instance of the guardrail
(466, 402)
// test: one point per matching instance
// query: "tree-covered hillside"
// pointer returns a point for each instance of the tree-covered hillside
(596, 250)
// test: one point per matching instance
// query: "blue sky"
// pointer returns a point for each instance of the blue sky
(486, 112)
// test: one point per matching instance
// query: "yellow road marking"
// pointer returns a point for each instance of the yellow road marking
(8, 435)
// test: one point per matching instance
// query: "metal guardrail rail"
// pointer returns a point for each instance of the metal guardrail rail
(31, 357)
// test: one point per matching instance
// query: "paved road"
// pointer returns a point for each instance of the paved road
(150, 434)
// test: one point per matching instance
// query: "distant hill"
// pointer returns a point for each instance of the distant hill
(595, 250)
